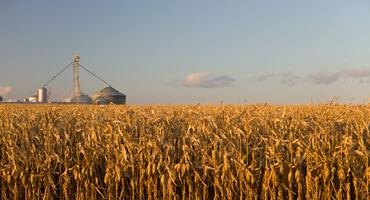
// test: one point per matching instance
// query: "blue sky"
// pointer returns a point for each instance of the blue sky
(190, 51)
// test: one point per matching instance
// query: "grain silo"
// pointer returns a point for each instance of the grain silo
(104, 96)
(42, 95)
(109, 95)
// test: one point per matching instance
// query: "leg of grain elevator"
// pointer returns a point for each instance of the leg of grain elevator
(76, 77)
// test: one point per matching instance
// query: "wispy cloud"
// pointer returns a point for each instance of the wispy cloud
(4, 90)
(289, 79)
(264, 77)
(328, 78)
(356, 73)
(286, 78)
(324, 78)
(205, 80)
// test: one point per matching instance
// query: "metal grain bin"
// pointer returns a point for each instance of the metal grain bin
(109, 95)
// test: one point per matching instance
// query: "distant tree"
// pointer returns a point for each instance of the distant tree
(1, 98)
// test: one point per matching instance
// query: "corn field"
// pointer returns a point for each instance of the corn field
(184, 152)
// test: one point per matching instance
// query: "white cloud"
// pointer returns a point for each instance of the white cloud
(4, 90)
(205, 80)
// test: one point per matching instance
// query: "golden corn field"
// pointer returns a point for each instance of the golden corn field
(184, 152)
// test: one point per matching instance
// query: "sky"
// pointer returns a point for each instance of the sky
(180, 52)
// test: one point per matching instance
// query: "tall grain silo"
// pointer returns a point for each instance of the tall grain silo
(42, 95)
